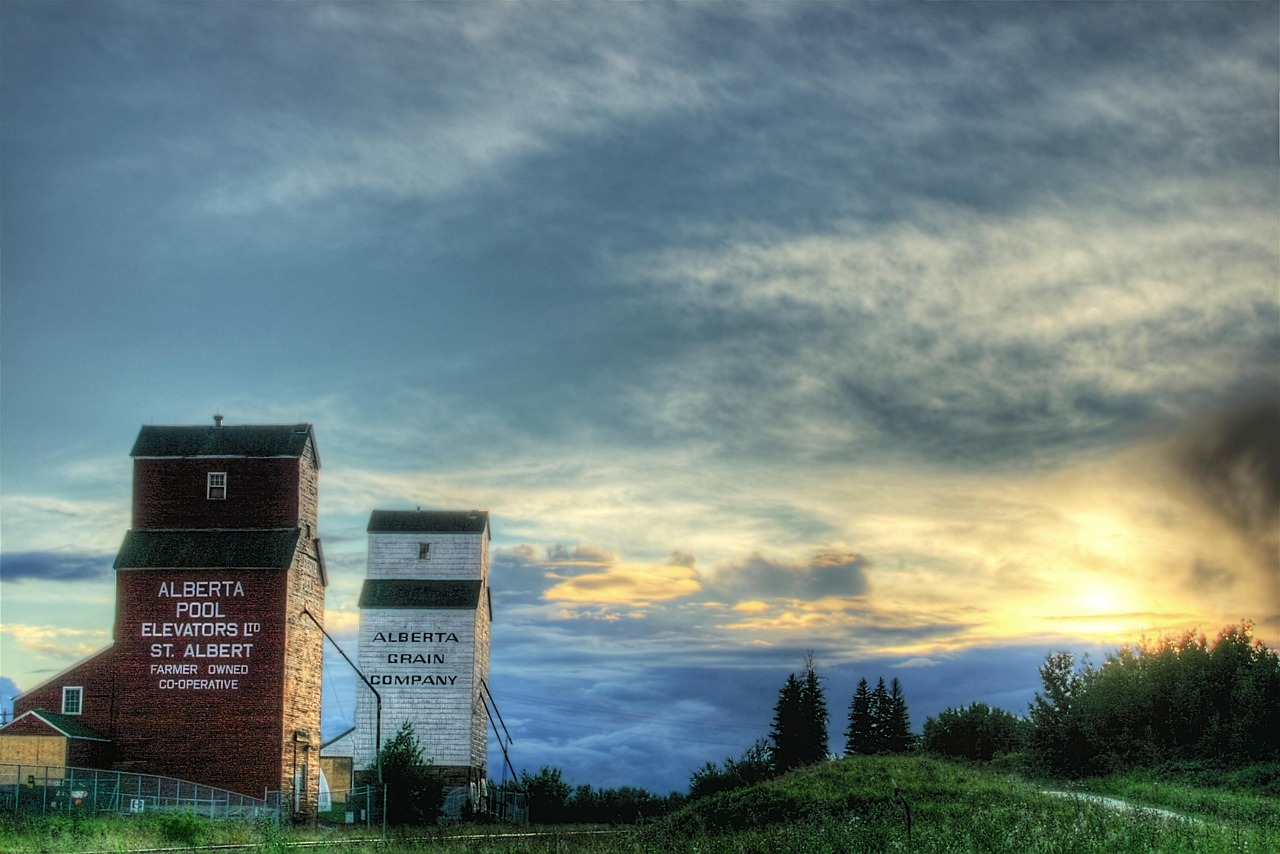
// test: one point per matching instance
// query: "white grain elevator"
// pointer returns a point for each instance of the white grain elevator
(425, 614)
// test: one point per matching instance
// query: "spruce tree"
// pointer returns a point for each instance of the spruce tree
(813, 705)
(788, 723)
(857, 738)
(897, 737)
(800, 722)
(879, 712)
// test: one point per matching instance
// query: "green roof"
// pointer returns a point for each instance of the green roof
(68, 725)
(418, 593)
(250, 548)
(429, 521)
(249, 440)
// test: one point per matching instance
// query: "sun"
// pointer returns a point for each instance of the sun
(1100, 598)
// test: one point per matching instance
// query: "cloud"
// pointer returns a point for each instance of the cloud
(1232, 461)
(965, 339)
(56, 640)
(54, 566)
(825, 574)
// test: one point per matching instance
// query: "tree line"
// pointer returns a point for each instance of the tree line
(878, 722)
(1182, 700)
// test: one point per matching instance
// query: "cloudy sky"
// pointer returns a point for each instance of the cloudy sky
(927, 338)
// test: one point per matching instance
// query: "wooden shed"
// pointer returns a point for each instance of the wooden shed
(39, 737)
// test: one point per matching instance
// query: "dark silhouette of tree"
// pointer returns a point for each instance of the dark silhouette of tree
(415, 792)
(799, 731)
(1174, 700)
(858, 737)
(897, 723)
(548, 795)
(754, 766)
(813, 705)
(787, 723)
(879, 710)
(976, 732)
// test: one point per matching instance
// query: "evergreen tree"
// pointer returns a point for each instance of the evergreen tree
(788, 721)
(897, 735)
(813, 705)
(414, 792)
(857, 738)
(879, 712)
(799, 731)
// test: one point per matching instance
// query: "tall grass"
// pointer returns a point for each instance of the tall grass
(849, 805)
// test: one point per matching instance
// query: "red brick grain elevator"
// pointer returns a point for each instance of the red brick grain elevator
(214, 673)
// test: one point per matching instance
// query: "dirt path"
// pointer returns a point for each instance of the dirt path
(1117, 804)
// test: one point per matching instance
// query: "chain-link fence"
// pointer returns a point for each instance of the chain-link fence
(43, 789)
(359, 807)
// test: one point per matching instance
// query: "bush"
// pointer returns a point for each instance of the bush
(976, 732)
(182, 828)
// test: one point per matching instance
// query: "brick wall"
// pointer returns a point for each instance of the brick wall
(96, 675)
(204, 708)
(261, 493)
(303, 666)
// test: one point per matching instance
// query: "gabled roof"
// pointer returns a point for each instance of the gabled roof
(67, 725)
(246, 440)
(67, 670)
(419, 593)
(429, 521)
(246, 548)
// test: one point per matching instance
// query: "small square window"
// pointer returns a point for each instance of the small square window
(217, 484)
(72, 700)
(424, 551)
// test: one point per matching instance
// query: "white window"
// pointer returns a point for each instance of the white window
(217, 484)
(424, 551)
(72, 700)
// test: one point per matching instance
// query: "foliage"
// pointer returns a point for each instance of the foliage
(553, 801)
(799, 731)
(754, 766)
(548, 795)
(878, 720)
(414, 793)
(625, 805)
(976, 732)
(183, 828)
(857, 738)
(1175, 700)
(894, 727)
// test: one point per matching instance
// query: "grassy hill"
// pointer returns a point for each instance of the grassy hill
(849, 805)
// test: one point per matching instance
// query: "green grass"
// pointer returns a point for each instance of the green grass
(849, 805)
(1249, 795)
(842, 806)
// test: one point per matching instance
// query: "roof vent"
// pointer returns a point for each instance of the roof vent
(217, 421)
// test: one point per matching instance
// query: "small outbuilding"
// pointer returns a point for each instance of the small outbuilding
(40, 737)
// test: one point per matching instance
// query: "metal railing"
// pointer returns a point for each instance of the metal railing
(44, 789)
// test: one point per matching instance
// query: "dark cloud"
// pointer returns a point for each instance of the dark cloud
(758, 577)
(54, 566)
(1232, 462)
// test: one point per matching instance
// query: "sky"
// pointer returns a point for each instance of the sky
(927, 339)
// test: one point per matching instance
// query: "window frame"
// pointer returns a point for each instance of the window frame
(216, 480)
(76, 691)
(424, 551)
